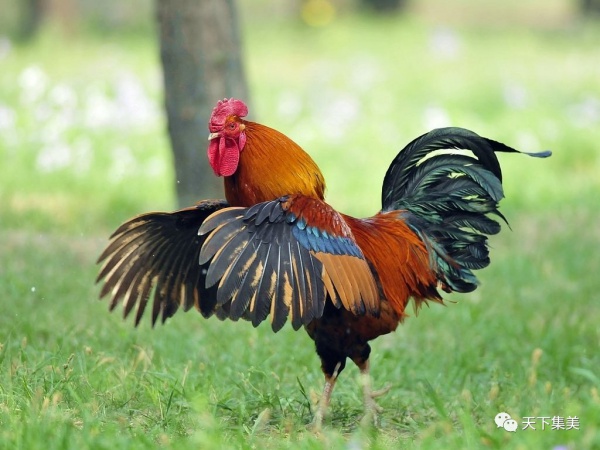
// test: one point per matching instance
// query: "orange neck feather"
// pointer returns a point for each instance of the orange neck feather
(272, 165)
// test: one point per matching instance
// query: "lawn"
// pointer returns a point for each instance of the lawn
(83, 148)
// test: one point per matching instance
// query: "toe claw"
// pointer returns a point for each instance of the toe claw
(384, 390)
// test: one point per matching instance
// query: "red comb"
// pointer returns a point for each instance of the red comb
(224, 109)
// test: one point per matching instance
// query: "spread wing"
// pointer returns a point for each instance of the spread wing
(156, 254)
(284, 258)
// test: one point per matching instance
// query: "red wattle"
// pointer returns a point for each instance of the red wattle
(223, 156)
(213, 155)
(230, 157)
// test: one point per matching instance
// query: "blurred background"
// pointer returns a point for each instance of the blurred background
(84, 145)
(81, 94)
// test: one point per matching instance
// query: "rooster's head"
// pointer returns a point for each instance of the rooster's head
(227, 136)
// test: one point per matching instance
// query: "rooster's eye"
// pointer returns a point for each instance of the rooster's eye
(232, 126)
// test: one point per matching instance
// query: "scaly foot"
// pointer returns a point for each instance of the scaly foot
(372, 409)
(325, 399)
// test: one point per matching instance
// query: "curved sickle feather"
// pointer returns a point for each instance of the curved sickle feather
(283, 258)
(156, 254)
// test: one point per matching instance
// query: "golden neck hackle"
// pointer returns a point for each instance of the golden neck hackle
(272, 165)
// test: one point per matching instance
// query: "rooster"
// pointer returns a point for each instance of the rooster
(275, 249)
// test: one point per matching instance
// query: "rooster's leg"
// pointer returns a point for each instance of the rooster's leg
(372, 409)
(325, 398)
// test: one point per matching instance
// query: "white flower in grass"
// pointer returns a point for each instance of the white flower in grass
(33, 82)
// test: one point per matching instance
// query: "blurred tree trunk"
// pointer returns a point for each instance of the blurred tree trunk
(201, 60)
(383, 6)
(30, 19)
(590, 6)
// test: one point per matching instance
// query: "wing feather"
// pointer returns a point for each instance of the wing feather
(156, 256)
(246, 288)
(265, 290)
(285, 292)
(285, 258)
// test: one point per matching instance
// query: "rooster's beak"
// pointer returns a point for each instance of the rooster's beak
(212, 136)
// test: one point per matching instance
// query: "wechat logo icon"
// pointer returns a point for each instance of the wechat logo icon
(503, 420)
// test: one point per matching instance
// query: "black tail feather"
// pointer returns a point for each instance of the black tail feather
(447, 195)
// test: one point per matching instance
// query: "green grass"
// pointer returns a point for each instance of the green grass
(526, 342)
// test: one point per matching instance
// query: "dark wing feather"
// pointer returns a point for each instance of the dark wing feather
(157, 254)
(282, 258)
